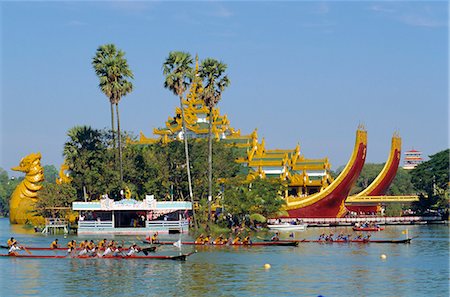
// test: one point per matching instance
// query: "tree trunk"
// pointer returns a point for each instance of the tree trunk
(210, 164)
(186, 150)
(112, 126)
(119, 142)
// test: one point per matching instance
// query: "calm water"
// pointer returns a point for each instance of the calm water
(418, 269)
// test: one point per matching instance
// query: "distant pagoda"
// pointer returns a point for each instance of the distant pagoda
(304, 176)
(412, 159)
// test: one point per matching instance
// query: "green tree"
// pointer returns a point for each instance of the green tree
(7, 186)
(50, 173)
(401, 185)
(178, 76)
(431, 179)
(113, 71)
(55, 200)
(90, 162)
(261, 196)
(212, 72)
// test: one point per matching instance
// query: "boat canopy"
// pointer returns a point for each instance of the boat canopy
(149, 203)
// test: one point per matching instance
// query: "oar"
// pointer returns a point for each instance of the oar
(149, 249)
(27, 251)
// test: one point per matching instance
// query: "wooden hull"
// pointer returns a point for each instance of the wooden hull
(368, 229)
(35, 248)
(359, 241)
(253, 244)
(160, 257)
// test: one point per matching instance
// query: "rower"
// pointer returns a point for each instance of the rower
(237, 239)
(117, 251)
(83, 244)
(275, 237)
(11, 241)
(54, 244)
(93, 252)
(200, 239)
(246, 240)
(154, 238)
(71, 245)
(112, 244)
(91, 245)
(329, 237)
(133, 249)
(14, 249)
(109, 250)
(218, 240)
(102, 243)
(359, 237)
(207, 239)
(84, 251)
(321, 237)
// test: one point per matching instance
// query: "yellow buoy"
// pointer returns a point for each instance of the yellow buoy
(267, 266)
(383, 256)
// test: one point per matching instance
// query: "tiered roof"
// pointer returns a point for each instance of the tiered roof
(288, 165)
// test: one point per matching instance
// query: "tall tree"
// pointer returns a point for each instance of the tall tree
(113, 71)
(215, 81)
(86, 154)
(431, 179)
(178, 76)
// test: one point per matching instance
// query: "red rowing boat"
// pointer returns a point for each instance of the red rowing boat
(368, 228)
(360, 241)
(36, 248)
(270, 243)
(181, 257)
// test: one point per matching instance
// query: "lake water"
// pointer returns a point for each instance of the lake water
(418, 269)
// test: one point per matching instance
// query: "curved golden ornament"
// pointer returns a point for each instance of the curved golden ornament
(63, 177)
(299, 202)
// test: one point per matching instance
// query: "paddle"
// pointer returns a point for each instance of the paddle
(27, 251)
(149, 249)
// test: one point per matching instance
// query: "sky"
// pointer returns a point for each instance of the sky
(301, 72)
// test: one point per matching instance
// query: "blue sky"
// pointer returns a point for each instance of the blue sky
(301, 72)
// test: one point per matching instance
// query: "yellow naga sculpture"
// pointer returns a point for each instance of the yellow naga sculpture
(25, 195)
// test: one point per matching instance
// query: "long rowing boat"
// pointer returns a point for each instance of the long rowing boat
(270, 243)
(368, 229)
(36, 248)
(360, 241)
(181, 257)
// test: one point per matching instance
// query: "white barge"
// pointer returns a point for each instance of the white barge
(132, 217)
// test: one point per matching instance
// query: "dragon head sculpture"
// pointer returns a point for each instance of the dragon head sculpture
(26, 193)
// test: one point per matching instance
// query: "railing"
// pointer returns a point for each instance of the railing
(167, 224)
(95, 224)
(55, 222)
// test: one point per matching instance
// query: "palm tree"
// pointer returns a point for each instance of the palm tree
(178, 71)
(212, 72)
(112, 69)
